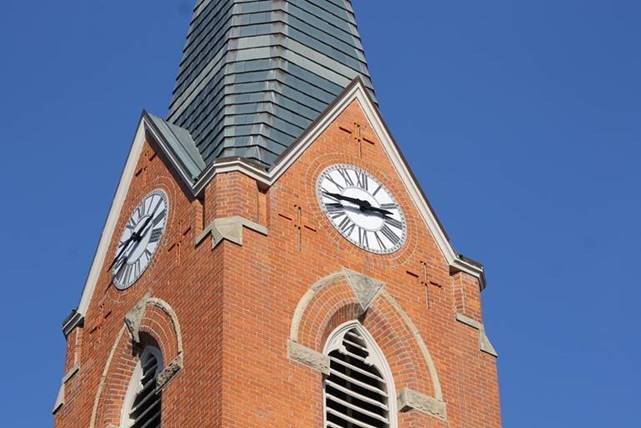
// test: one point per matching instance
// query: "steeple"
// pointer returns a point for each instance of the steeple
(255, 74)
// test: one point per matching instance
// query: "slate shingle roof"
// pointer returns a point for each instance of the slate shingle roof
(256, 73)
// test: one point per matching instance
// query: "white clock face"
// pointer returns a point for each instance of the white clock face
(140, 239)
(361, 208)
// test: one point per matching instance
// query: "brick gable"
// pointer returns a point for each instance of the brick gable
(257, 279)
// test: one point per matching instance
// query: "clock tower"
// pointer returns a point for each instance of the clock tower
(269, 259)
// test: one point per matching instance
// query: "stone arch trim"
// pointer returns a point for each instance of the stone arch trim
(110, 385)
(157, 318)
(150, 316)
(347, 295)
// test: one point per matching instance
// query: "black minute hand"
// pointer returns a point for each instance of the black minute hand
(121, 252)
(363, 205)
(136, 235)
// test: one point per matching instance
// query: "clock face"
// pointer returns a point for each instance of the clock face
(140, 239)
(361, 208)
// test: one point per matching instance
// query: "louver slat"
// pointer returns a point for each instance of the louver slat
(355, 356)
(359, 370)
(146, 409)
(359, 383)
(144, 403)
(357, 409)
(355, 391)
(149, 418)
(362, 348)
(154, 421)
(350, 420)
(357, 395)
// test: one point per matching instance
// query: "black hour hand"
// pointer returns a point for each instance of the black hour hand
(121, 252)
(362, 205)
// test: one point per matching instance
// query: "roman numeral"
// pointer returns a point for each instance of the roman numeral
(389, 206)
(331, 180)
(363, 241)
(119, 272)
(380, 186)
(161, 215)
(362, 180)
(379, 241)
(389, 234)
(345, 174)
(393, 222)
(126, 274)
(346, 226)
(136, 269)
(337, 215)
(147, 253)
(160, 201)
(155, 235)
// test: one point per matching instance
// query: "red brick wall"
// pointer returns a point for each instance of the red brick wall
(235, 304)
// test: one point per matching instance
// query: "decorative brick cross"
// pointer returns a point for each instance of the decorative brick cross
(361, 134)
(424, 281)
(104, 310)
(299, 222)
(178, 243)
(146, 158)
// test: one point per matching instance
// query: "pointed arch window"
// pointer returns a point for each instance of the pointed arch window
(359, 391)
(142, 406)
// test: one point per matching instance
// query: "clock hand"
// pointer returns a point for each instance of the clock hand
(380, 210)
(359, 202)
(121, 252)
(142, 232)
(135, 237)
(121, 263)
(362, 204)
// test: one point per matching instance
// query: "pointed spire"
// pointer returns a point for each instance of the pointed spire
(255, 74)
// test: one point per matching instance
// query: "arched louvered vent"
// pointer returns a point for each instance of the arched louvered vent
(145, 405)
(356, 392)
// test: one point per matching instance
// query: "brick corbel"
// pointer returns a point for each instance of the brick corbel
(408, 399)
(484, 342)
(308, 357)
(60, 398)
(169, 372)
(134, 317)
(230, 229)
(365, 289)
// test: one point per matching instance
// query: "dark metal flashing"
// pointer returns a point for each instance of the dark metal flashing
(180, 143)
(73, 320)
(247, 161)
(470, 261)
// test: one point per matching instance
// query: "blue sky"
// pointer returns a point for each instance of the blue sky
(522, 120)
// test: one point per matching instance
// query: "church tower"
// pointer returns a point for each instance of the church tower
(269, 259)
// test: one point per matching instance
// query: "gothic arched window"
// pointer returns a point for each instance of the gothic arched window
(359, 391)
(142, 405)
